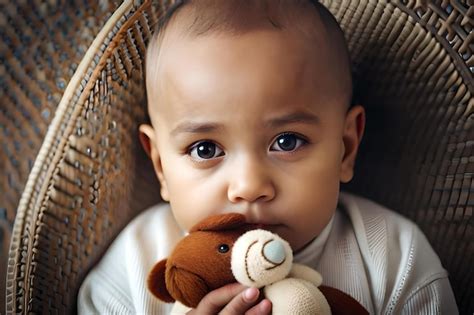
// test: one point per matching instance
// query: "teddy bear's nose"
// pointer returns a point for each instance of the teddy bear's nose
(274, 251)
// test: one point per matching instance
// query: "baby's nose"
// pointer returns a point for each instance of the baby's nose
(250, 181)
(274, 252)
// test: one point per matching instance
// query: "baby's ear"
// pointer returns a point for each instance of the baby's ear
(354, 126)
(149, 142)
(147, 137)
(156, 282)
(220, 222)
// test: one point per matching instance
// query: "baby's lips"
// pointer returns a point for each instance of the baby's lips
(255, 226)
(261, 226)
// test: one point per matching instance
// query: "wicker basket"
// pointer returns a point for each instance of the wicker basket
(70, 111)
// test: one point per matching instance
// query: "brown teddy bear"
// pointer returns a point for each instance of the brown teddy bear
(203, 261)
(200, 262)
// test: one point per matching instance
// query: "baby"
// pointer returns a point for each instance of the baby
(250, 108)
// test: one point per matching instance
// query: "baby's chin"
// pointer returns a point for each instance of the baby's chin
(299, 241)
(297, 249)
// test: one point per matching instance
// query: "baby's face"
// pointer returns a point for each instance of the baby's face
(248, 124)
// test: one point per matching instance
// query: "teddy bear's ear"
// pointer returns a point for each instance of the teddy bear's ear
(219, 222)
(342, 303)
(156, 282)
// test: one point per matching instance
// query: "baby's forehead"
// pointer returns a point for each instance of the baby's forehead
(210, 75)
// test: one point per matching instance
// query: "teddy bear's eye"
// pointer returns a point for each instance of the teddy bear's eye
(223, 248)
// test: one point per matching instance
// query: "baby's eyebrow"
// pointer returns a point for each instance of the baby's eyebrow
(195, 127)
(296, 117)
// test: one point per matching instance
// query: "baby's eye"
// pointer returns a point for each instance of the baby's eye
(205, 150)
(287, 142)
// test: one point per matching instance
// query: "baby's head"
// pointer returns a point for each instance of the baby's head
(250, 112)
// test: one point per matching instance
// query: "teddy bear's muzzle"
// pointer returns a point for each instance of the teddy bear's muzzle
(274, 252)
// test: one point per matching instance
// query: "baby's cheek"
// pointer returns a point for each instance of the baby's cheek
(189, 213)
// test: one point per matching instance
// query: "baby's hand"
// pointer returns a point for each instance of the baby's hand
(233, 299)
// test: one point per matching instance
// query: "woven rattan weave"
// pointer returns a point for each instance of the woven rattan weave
(70, 111)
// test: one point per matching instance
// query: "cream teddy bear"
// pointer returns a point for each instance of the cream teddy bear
(262, 259)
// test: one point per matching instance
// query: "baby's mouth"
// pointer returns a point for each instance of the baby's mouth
(255, 226)
(263, 226)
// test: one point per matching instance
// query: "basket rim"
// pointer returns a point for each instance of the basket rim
(30, 204)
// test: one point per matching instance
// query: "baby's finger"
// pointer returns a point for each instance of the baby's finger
(242, 302)
(214, 301)
(262, 308)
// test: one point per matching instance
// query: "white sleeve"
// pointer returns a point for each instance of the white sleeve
(423, 282)
(405, 275)
(118, 283)
(179, 309)
(105, 290)
(435, 298)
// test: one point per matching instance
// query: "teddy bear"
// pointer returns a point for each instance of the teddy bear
(262, 259)
(223, 249)
(200, 262)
